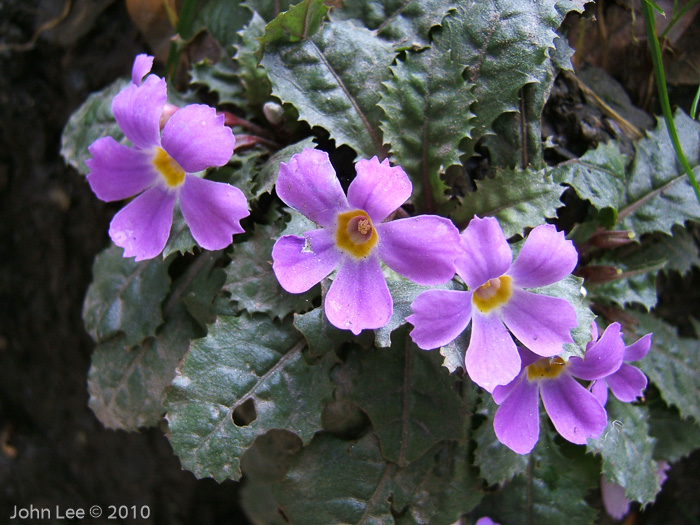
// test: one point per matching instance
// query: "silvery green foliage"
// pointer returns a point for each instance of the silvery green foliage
(333, 428)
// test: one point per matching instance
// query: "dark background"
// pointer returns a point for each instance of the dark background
(53, 451)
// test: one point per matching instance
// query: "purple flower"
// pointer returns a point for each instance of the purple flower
(575, 412)
(627, 383)
(485, 521)
(497, 301)
(354, 239)
(158, 168)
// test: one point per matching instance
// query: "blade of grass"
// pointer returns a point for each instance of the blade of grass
(694, 105)
(650, 24)
(183, 30)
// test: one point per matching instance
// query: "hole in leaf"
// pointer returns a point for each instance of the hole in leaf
(244, 414)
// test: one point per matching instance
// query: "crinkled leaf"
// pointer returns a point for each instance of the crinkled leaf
(626, 449)
(299, 22)
(410, 399)
(551, 491)
(570, 289)
(405, 23)
(639, 288)
(202, 286)
(127, 383)
(426, 102)
(220, 78)
(678, 250)
(336, 481)
(250, 364)
(125, 297)
(223, 19)
(254, 79)
(517, 137)
(180, 239)
(675, 437)
(321, 336)
(496, 462)
(672, 364)
(249, 277)
(502, 45)
(658, 194)
(518, 199)
(92, 120)
(455, 351)
(598, 176)
(334, 81)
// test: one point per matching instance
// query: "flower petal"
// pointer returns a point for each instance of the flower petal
(359, 297)
(117, 171)
(439, 316)
(301, 262)
(378, 188)
(575, 412)
(540, 322)
(492, 358)
(614, 500)
(628, 383)
(195, 136)
(638, 349)
(142, 227)
(137, 110)
(309, 185)
(421, 248)
(143, 64)
(602, 358)
(486, 252)
(503, 391)
(517, 420)
(600, 390)
(546, 257)
(212, 210)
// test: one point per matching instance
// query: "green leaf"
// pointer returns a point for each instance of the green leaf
(496, 462)
(570, 289)
(678, 250)
(427, 115)
(92, 120)
(321, 336)
(598, 176)
(245, 378)
(639, 287)
(626, 448)
(405, 23)
(201, 286)
(552, 490)
(672, 364)
(254, 79)
(125, 297)
(336, 481)
(220, 78)
(334, 81)
(251, 281)
(410, 399)
(502, 46)
(180, 240)
(298, 23)
(675, 437)
(518, 199)
(658, 194)
(127, 383)
(223, 19)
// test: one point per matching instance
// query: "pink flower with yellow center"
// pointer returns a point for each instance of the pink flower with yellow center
(576, 413)
(354, 239)
(158, 169)
(497, 301)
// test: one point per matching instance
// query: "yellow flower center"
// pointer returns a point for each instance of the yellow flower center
(168, 167)
(545, 369)
(355, 233)
(492, 294)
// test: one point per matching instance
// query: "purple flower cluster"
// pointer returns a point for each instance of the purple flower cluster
(158, 169)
